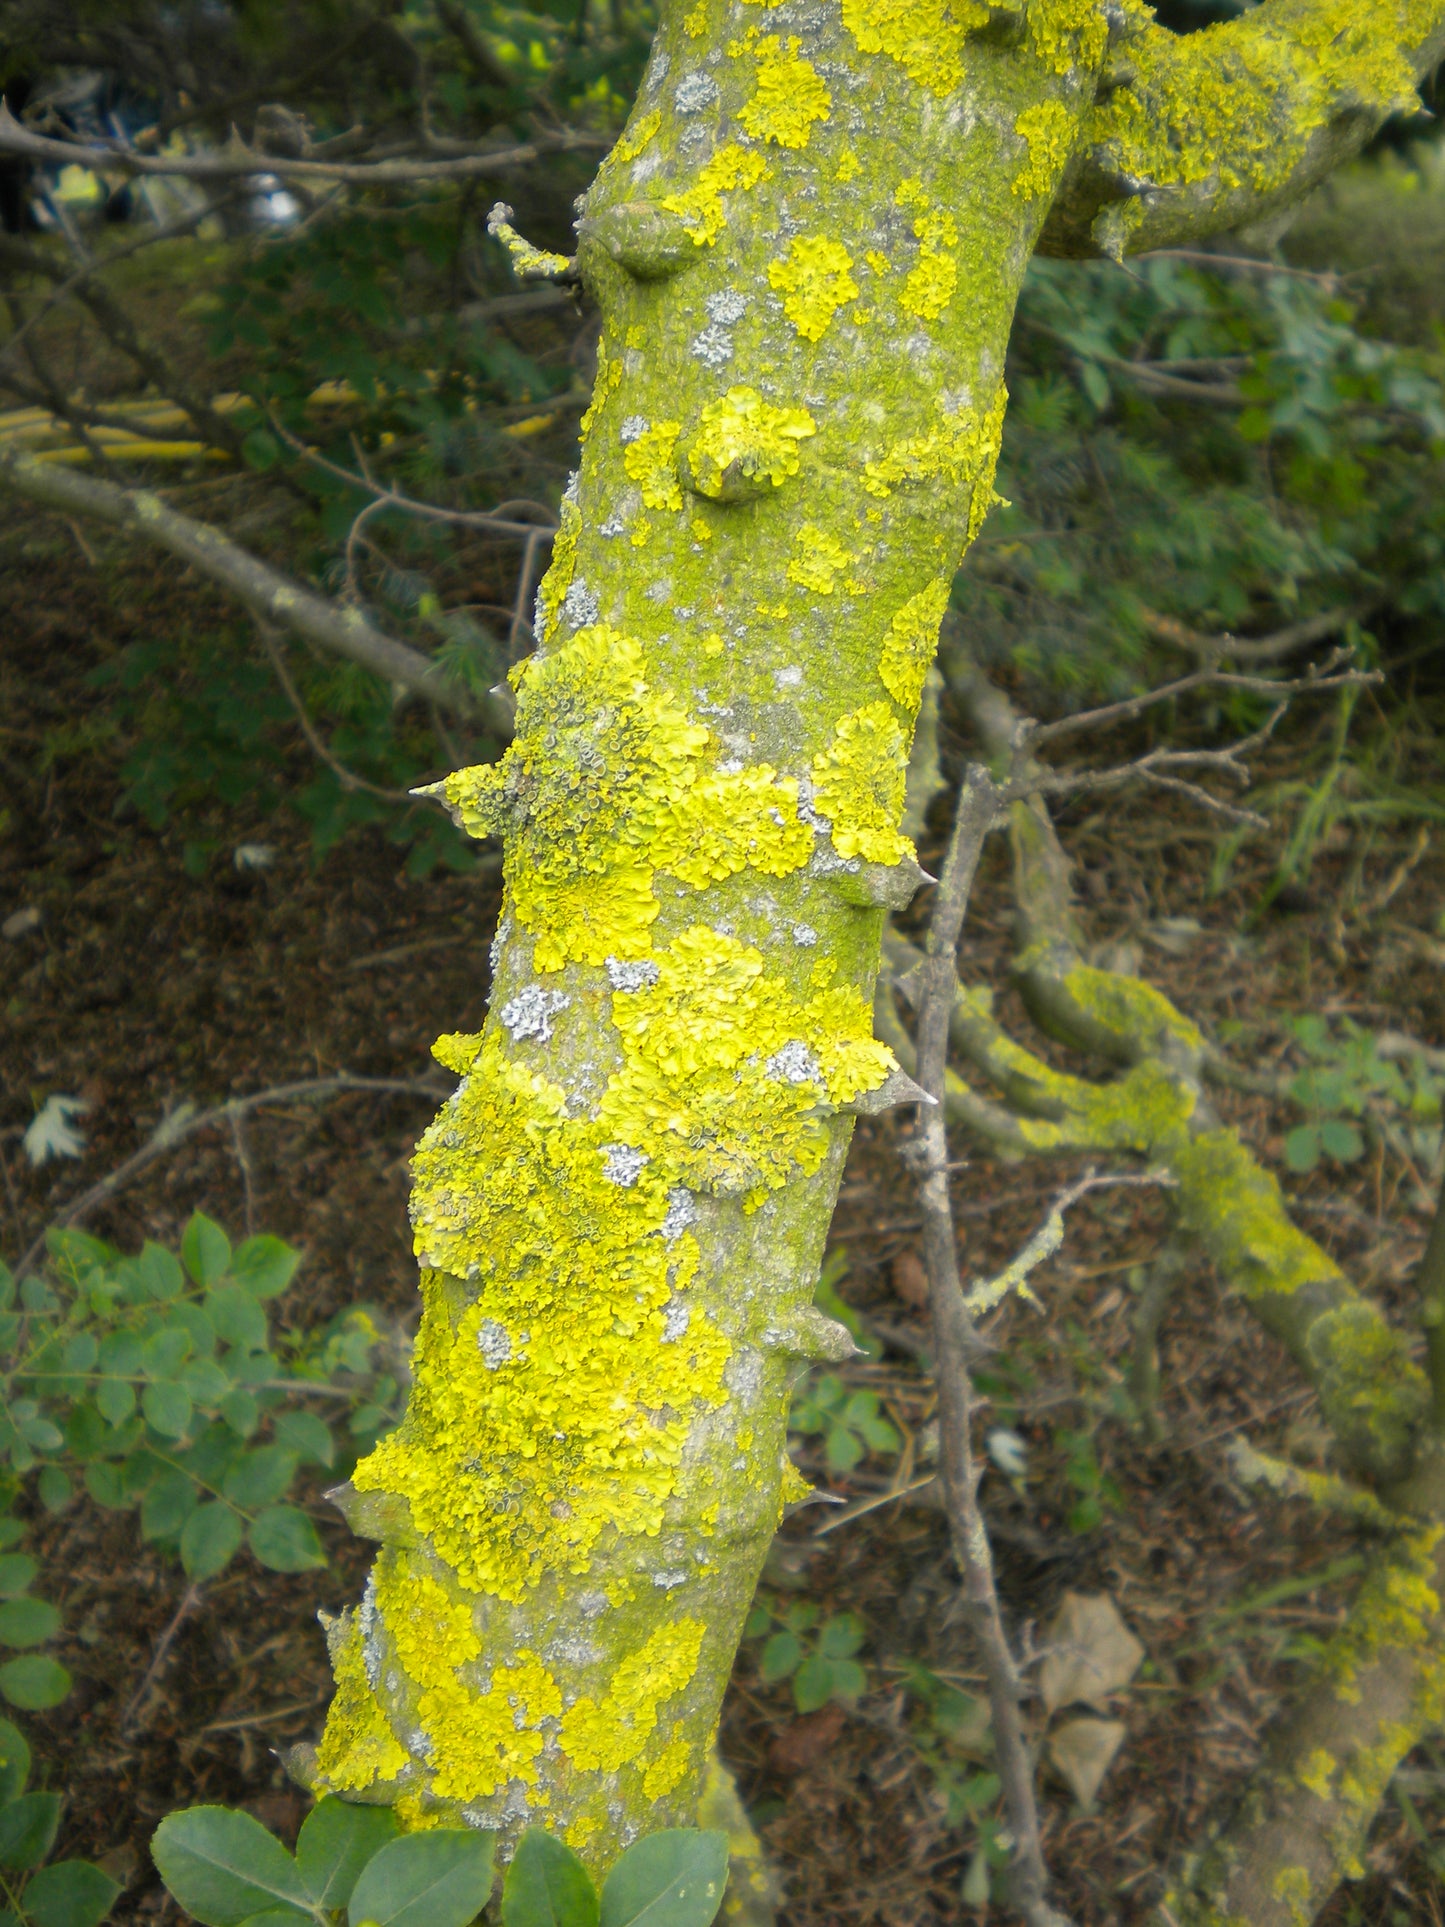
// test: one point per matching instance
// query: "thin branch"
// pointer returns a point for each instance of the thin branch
(185, 1121)
(1283, 642)
(1430, 1282)
(990, 1292)
(275, 597)
(1110, 713)
(238, 162)
(190, 1600)
(347, 778)
(955, 1342)
(1242, 264)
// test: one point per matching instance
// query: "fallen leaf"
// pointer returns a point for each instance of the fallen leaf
(1082, 1751)
(910, 1280)
(50, 1133)
(804, 1742)
(1089, 1652)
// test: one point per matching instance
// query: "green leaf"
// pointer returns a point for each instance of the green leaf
(284, 1539)
(205, 1250)
(34, 1683)
(241, 1411)
(28, 1622)
(850, 1682)
(265, 1266)
(335, 1843)
(210, 1538)
(260, 449)
(27, 1829)
(17, 1572)
(1302, 1148)
(1341, 1140)
(11, 1531)
(72, 1893)
(780, 1658)
(14, 1762)
(237, 1317)
(440, 1878)
(167, 1505)
(81, 1351)
(674, 1878)
(159, 1271)
(223, 1866)
(116, 1400)
(308, 1436)
(844, 1449)
(54, 1488)
(259, 1478)
(547, 1885)
(166, 1351)
(167, 1408)
(106, 1487)
(279, 1917)
(841, 1636)
(813, 1683)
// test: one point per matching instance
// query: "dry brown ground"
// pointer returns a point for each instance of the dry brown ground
(142, 987)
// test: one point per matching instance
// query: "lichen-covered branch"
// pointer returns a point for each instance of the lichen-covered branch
(1196, 134)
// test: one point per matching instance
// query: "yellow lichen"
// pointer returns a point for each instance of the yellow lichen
(648, 460)
(1316, 1772)
(742, 438)
(731, 821)
(814, 279)
(925, 37)
(818, 559)
(664, 1773)
(909, 646)
(933, 279)
(635, 138)
(848, 167)
(558, 579)
(1048, 128)
(1066, 33)
(858, 784)
(358, 1747)
(701, 205)
(962, 449)
(601, 1736)
(478, 1740)
(790, 95)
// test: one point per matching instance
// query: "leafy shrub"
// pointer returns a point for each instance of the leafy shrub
(159, 1381)
(1347, 1083)
(68, 1893)
(352, 1865)
(850, 1422)
(817, 1658)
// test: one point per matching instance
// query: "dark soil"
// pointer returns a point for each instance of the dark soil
(142, 986)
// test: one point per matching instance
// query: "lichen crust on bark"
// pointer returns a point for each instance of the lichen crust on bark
(806, 248)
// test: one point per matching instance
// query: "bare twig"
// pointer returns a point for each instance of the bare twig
(185, 1121)
(1283, 642)
(236, 161)
(266, 591)
(190, 1599)
(347, 778)
(989, 1292)
(979, 805)
(1330, 676)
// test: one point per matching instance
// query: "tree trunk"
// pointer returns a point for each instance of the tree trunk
(807, 266)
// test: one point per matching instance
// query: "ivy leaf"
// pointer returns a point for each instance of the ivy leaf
(72, 1893)
(210, 1539)
(440, 1878)
(284, 1539)
(27, 1829)
(547, 1885)
(265, 1266)
(336, 1841)
(224, 1866)
(205, 1250)
(674, 1878)
(34, 1683)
